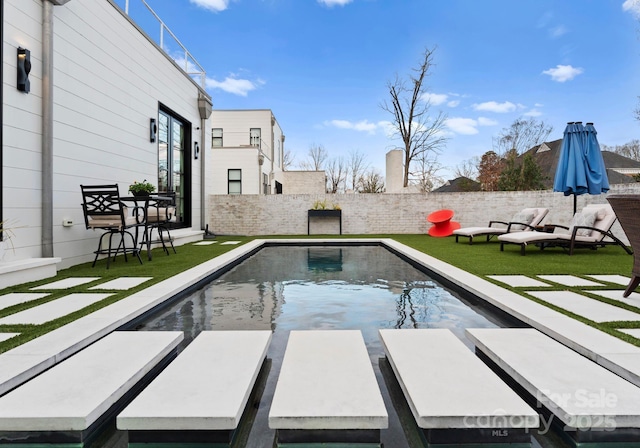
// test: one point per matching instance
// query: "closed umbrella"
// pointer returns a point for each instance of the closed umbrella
(580, 168)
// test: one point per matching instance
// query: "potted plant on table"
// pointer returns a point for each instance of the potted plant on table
(143, 188)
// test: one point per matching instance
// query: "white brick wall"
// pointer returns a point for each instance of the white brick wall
(387, 213)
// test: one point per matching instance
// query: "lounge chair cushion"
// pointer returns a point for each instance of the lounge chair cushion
(585, 218)
(524, 217)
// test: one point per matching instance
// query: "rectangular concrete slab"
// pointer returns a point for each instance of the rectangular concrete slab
(67, 283)
(122, 283)
(617, 279)
(5, 336)
(16, 298)
(518, 281)
(327, 382)
(616, 294)
(447, 386)
(569, 280)
(205, 388)
(581, 393)
(586, 307)
(53, 309)
(75, 393)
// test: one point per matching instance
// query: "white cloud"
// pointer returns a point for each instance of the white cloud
(562, 73)
(234, 85)
(533, 113)
(435, 99)
(212, 5)
(558, 31)
(492, 106)
(458, 125)
(360, 126)
(633, 6)
(483, 121)
(453, 103)
(331, 3)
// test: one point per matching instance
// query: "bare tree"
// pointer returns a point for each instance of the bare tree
(288, 160)
(420, 133)
(630, 149)
(371, 182)
(357, 167)
(336, 169)
(316, 158)
(636, 112)
(426, 173)
(522, 135)
(468, 168)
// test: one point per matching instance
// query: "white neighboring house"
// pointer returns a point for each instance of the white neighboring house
(106, 105)
(247, 152)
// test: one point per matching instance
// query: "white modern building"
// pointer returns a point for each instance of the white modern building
(247, 152)
(102, 104)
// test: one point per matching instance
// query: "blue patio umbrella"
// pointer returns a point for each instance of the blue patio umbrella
(580, 168)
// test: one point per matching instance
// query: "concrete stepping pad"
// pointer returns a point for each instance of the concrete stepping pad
(122, 283)
(584, 306)
(327, 391)
(635, 332)
(204, 243)
(7, 336)
(16, 298)
(226, 243)
(518, 281)
(67, 283)
(454, 397)
(616, 294)
(204, 391)
(54, 309)
(591, 403)
(569, 280)
(617, 279)
(70, 402)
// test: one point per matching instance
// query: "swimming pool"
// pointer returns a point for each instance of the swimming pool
(284, 288)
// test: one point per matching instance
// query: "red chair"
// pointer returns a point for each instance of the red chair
(442, 224)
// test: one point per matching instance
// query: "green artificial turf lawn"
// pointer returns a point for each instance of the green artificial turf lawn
(482, 259)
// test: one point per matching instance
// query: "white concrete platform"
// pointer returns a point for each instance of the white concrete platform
(616, 294)
(66, 283)
(53, 309)
(122, 283)
(7, 336)
(15, 298)
(584, 306)
(448, 387)
(205, 388)
(28, 270)
(635, 332)
(617, 279)
(74, 394)
(226, 243)
(204, 243)
(569, 280)
(581, 393)
(518, 281)
(327, 382)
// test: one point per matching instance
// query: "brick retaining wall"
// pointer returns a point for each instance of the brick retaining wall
(386, 213)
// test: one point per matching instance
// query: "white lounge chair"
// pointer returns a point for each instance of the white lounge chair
(527, 219)
(589, 228)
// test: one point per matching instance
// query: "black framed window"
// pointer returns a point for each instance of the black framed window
(234, 181)
(216, 138)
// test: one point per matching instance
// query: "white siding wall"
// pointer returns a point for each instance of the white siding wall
(245, 159)
(108, 82)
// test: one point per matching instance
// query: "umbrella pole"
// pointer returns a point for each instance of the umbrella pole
(575, 203)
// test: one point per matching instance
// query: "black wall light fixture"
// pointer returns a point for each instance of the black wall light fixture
(153, 130)
(24, 67)
(196, 150)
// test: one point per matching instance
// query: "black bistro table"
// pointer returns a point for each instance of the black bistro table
(141, 205)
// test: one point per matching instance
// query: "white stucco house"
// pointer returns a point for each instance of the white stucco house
(247, 152)
(104, 105)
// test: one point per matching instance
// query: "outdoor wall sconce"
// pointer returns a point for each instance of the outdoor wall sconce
(24, 67)
(196, 150)
(153, 130)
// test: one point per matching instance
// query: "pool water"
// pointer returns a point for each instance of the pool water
(284, 288)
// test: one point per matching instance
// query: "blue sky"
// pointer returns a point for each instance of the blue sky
(322, 66)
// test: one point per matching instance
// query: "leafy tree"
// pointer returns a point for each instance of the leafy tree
(520, 175)
(522, 135)
(421, 134)
(489, 169)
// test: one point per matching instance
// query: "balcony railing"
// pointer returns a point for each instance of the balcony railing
(181, 56)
